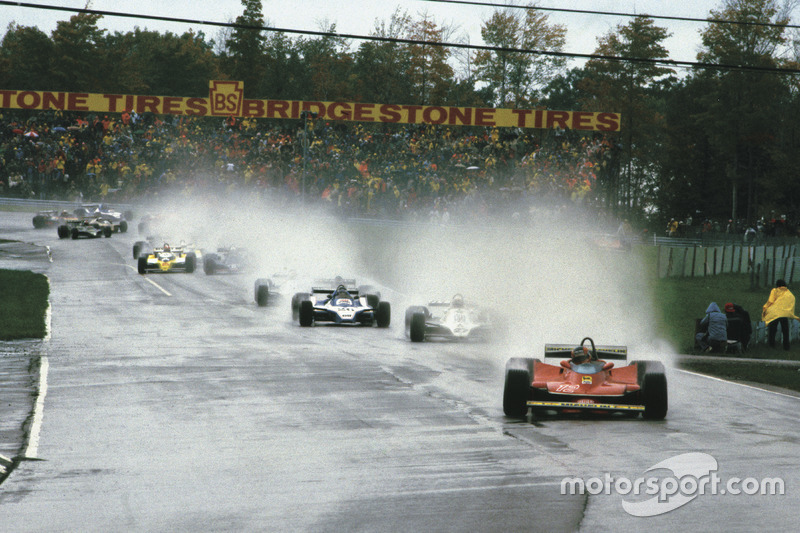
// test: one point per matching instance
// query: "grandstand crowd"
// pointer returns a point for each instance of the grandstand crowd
(356, 169)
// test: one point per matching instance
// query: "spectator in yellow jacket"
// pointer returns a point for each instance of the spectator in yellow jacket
(778, 310)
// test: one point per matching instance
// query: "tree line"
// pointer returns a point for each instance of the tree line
(719, 142)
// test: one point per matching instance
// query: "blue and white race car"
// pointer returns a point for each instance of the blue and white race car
(341, 305)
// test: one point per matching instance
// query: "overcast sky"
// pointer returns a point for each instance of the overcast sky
(359, 16)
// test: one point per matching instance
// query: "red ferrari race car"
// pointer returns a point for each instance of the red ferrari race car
(587, 380)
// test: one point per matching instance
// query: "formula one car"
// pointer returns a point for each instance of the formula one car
(89, 229)
(447, 320)
(585, 381)
(372, 295)
(50, 218)
(341, 305)
(103, 212)
(269, 289)
(168, 259)
(226, 259)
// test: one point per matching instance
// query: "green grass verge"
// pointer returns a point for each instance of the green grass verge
(777, 376)
(24, 296)
(682, 300)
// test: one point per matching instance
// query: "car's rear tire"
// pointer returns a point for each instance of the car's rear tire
(262, 295)
(191, 262)
(416, 327)
(74, 233)
(306, 313)
(653, 383)
(142, 264)
(63, 231)
(383, 314)
(373, 300)
(210, 264)
(39, 221)
(123, 227)
(107, 231)
(138, 246)
(517, 388)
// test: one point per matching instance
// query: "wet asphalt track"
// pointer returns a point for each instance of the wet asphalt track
(182, 406)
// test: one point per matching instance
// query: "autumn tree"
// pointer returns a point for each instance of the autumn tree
(328, 65)
(379, 65)
(246, 48)
(25, 55)
(742, 108)
(517, 77)
(78, 64)
(428, 70)
(630, 86)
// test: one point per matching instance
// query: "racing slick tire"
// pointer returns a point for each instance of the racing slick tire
(63, 231)
(142, 264)
(306, 313)
(39, 222)
(373, 300)
(107, 231)
(74, 233)
(653, 383)
(262, 295)
(383, 314)
(191, 262)
(517, 387)
(123, 227)
(138, 246)
(260, 282)
(416, 327)
(210, 264)
(296, 299)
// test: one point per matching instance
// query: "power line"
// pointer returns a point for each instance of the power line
(614, 14)
(398, 40)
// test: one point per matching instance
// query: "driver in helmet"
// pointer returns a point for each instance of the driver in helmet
(166, 247)
(340, 292)
(457, 301)
(583, 361)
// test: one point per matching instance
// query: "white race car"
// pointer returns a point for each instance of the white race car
(447, 320)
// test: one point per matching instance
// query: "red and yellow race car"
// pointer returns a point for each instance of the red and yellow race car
(586, 379)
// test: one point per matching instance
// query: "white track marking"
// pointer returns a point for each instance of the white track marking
(739, 384)
(38, 412)
(156, 285)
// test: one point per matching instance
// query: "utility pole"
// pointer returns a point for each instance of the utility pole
(305, 115)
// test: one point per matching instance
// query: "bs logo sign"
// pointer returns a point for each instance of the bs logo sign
(226, 98)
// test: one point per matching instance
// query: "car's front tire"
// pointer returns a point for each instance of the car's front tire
(517, 389)
(191, 262)
(306, 313)
(383, 315)
(416, 327)
(653, 383)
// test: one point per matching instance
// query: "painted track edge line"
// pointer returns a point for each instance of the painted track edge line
(737, 383)
(156, 285)
(32, 449)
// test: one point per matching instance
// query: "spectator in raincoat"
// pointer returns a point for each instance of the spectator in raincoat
(778, 310)
(712, 331)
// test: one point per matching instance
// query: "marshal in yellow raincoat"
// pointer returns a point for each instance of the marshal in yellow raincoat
(780, 304)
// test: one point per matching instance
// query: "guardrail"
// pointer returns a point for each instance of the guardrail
(44, 205)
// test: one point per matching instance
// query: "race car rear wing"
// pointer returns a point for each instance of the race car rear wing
(606, 352)
(328, 290)
(331, 283)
